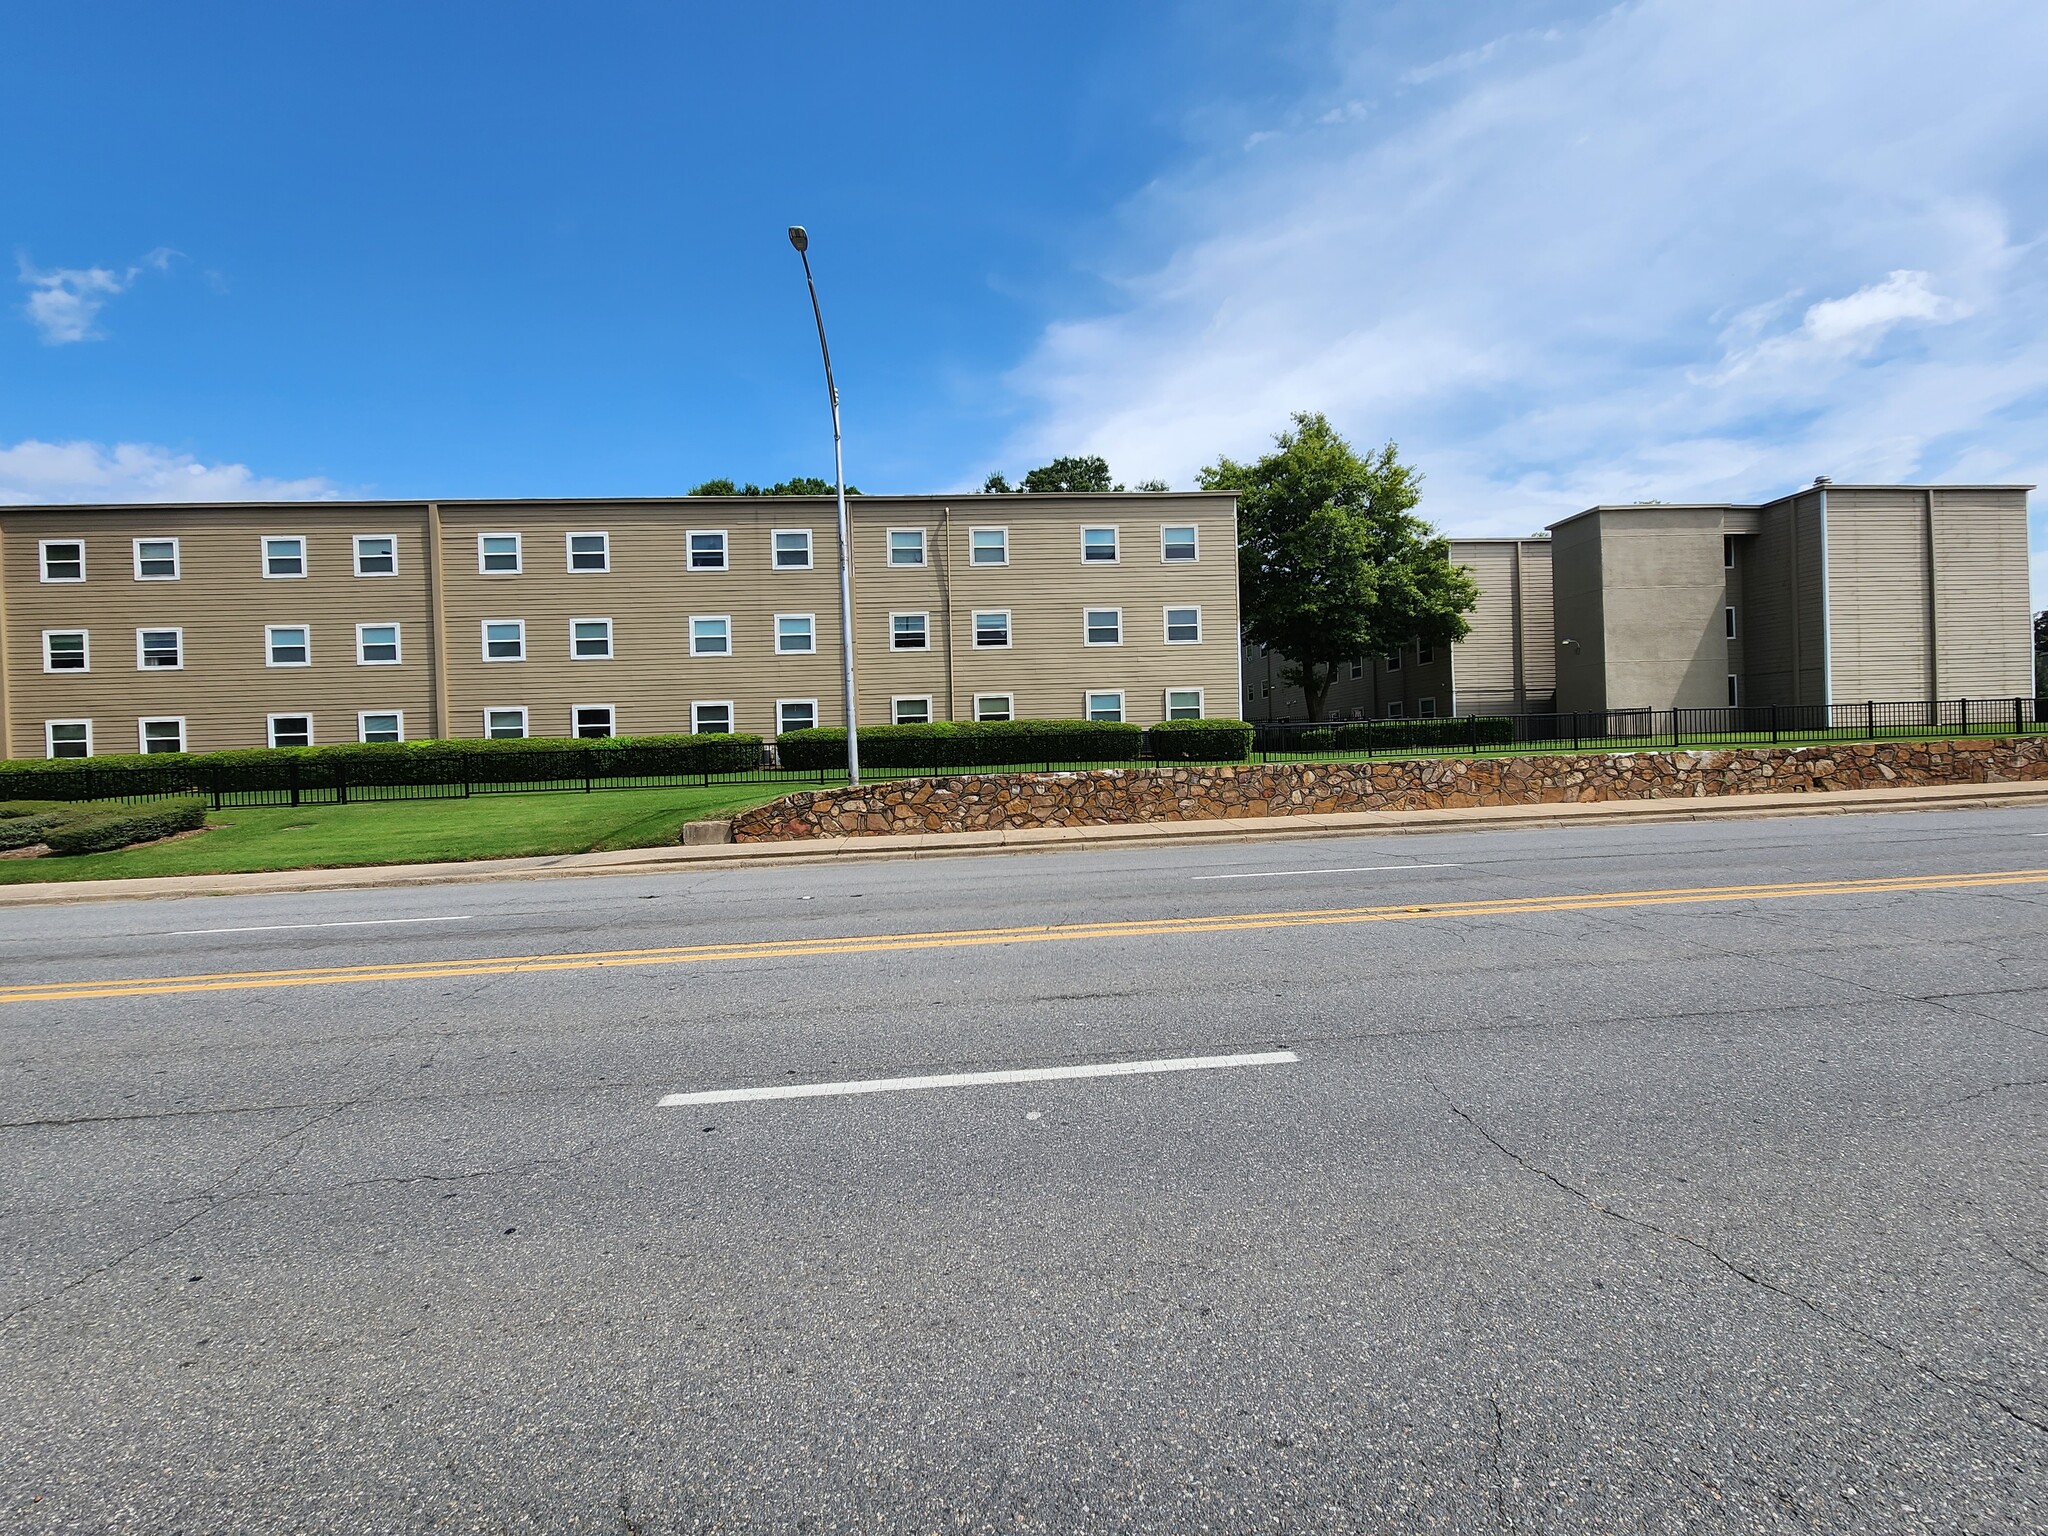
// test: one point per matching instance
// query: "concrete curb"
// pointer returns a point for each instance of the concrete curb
(681, 857)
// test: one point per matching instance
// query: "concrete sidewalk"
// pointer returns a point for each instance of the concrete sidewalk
(1951, 797)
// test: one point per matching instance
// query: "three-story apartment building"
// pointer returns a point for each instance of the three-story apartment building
(198, 628)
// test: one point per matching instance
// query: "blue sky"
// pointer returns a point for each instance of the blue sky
(1562, 253)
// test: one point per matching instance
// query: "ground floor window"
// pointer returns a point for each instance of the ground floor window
(161, 735)
(505, 724)
(911, 711)
(381, 727)
(795, 715)
(1396, 710)
(711, 719)
(1734, 691)
(291, 730)
(1183, 703)
(1106, 706)
(994, 706)
(1426, 708)
(67, 738)
(591, 721)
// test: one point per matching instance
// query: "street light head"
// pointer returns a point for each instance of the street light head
(798, 238)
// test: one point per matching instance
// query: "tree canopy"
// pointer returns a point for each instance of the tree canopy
(796, 485)
(1083, 474)
(1333, 564)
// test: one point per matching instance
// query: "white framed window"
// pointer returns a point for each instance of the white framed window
(1424, 654)
(500, 554)
(284, 556)
(1104, 706)
(287, 645)
(792, 548)
(796, 634)
(1357, 670)
(1734, 692)
(1102, 626)
(165, 734)
(707, 549)
(159, 650)
(156, 559)
(377, 645)
(376, 554)
(588, 554)
(1098, 546)
(1394, 662)
(1728, 622)
(992, 629)
(67, 650)
(61, 559)
(711, 719)
(795, 715)
(590, 640)
(906, 546)
(67, 738)
(290, 730)
(909, 631)
(504, 639)
(380, 726)
(1177, 544)
(1183, 626)
(988, 546)
(911, 709)
(710, 634)
(588, 722)
(1426, 708)
(1183, 703)
(993, 706)
(505, 724)
(1396, 710)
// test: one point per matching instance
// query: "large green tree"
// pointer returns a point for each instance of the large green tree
(796, 485)
(1086, 474)
(1333, 564)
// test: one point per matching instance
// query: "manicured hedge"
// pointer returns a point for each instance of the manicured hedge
(964, 744)
(1200, 741)
(23, 822)
(1402, 735)
(97, 831)
(529, 760)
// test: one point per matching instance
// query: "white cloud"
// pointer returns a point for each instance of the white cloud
(64, 302)
(1671, 251)
(33, 473)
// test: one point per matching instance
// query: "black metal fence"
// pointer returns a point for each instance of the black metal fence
(1646, 729)
(465, 775)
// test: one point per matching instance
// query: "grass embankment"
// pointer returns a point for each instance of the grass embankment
(407, 832)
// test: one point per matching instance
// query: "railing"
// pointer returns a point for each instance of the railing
(464, 775)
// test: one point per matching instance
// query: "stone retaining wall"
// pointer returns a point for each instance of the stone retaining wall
(1196, 792)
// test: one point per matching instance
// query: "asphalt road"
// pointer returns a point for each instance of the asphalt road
(1669, 1178)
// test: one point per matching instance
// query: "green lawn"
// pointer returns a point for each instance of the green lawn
(408, 832)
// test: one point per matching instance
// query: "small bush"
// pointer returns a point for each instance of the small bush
(23, 823)
(1417, 735)
(97, 831)
(1200, 741)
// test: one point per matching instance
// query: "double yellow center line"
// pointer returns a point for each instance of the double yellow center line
(869, 944)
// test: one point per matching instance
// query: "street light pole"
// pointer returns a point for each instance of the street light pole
(802, 242)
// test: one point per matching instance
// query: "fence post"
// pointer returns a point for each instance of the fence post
(213, 784)
(294, 775)
(1473, 722)
(2015, 715)
(341, 781)
(465, 774)
(1575, 730)
(1870, 718)
(1966, 715)
(589, 762)
(1774, 725)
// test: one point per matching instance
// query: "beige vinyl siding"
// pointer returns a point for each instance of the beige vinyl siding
(1508, 663)
(222, 602)
(1981, 599)
(1878, 595)
(1782, 575)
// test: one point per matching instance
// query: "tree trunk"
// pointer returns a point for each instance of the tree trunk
(1315, 688)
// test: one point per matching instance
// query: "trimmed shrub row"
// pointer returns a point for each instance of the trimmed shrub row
(118, 826)
(964, 744)
(1200, 741)
(1403, 735)
(531, 759)
(23, 822)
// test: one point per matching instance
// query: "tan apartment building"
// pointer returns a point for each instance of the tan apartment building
(159, 628)
(1835, 594)
(1506, 665)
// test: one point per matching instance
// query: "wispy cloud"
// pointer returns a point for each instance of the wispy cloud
(64, 302)
(33, 472)
(1673, 250)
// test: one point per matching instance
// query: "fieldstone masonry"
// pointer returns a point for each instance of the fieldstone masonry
(1197, 792)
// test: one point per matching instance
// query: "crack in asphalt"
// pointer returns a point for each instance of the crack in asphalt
(1742, 1272)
